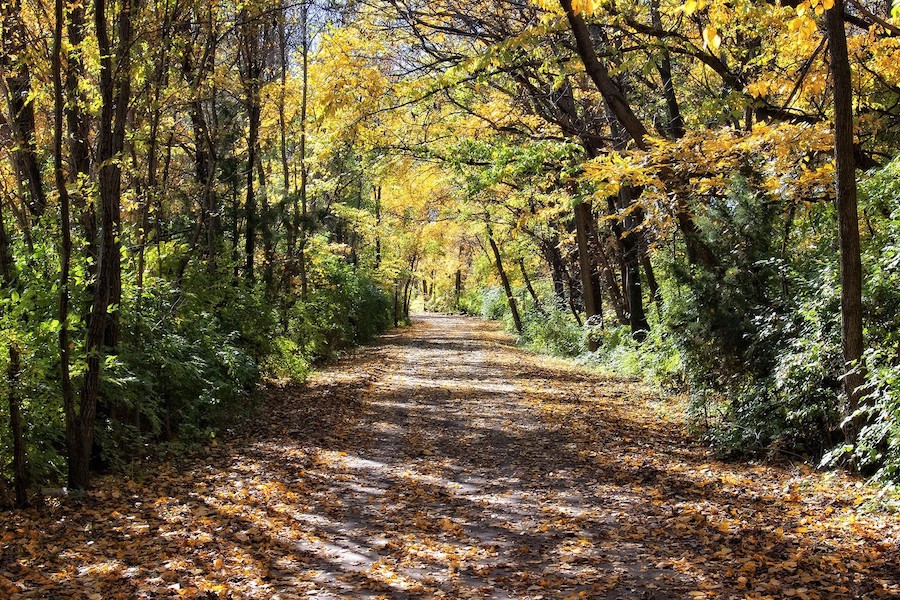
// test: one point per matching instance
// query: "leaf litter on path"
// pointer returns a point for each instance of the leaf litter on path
(444, 462)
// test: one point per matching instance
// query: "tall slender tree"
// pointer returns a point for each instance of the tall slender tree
(848, 216)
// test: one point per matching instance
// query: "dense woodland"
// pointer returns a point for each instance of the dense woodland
(200, 195)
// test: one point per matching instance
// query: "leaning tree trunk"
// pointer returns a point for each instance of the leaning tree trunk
(618, 105)
(530, 288)
(511, 300)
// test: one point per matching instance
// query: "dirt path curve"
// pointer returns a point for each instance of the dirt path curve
(444, 462)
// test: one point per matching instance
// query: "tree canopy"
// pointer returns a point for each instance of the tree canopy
(200, 194)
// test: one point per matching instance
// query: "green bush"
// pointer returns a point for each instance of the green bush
(348, 310)
(553, 331)
(493, 303)
(191, 351)
(757, 337)
(878, 448)
(28, 320)
(655, 360)
(287, 362)
(182, 372)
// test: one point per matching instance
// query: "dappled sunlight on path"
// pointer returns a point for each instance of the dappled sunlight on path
(444, 462)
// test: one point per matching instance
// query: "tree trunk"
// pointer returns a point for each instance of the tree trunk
(253, 110)
(511, 300)
(77, 122)
(586, 235)
(65, 228)
(396, 305)
(205, 172)
(848, 217)
(304, 173)
(599, 74)
(612, 285)
(590, 285)
(266, 223)
(554, 261)
(20, 471)
(251, 75)
(282, 95)
(407, 290)
(652, 284)
(289, 201)
(19, 463)
(574, 290)
(637, 318)
(102, 330)
(17, 77)
(676, 121)
(78, 135)
(530, 288)
(150, 194)
(618, 105)
(377, 193)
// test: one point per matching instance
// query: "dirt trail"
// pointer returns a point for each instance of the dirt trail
(444, 462)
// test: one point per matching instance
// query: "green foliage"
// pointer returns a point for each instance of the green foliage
(470, 302)
(756, 338)
(510, 162)
(28, 322)
(243, 311)
(349, 309)
(287, 361)
(552, 330)
(655, 360)
(184, 368)
(761, 341)
(494, 304)
(191, 350)
(878, 448)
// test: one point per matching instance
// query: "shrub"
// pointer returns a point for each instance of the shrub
(877, 450)
(494, 304)
(552, 330)
(287, 361)
(757, 338)
(656, 359)
(349, 309)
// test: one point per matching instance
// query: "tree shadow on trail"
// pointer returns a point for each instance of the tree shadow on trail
(458, 469)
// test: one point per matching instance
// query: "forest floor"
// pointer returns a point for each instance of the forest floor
(445, 462)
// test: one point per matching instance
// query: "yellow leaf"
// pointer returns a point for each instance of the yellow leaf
(711, 38)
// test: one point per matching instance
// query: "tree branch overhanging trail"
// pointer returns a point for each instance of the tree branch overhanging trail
(599, 73)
